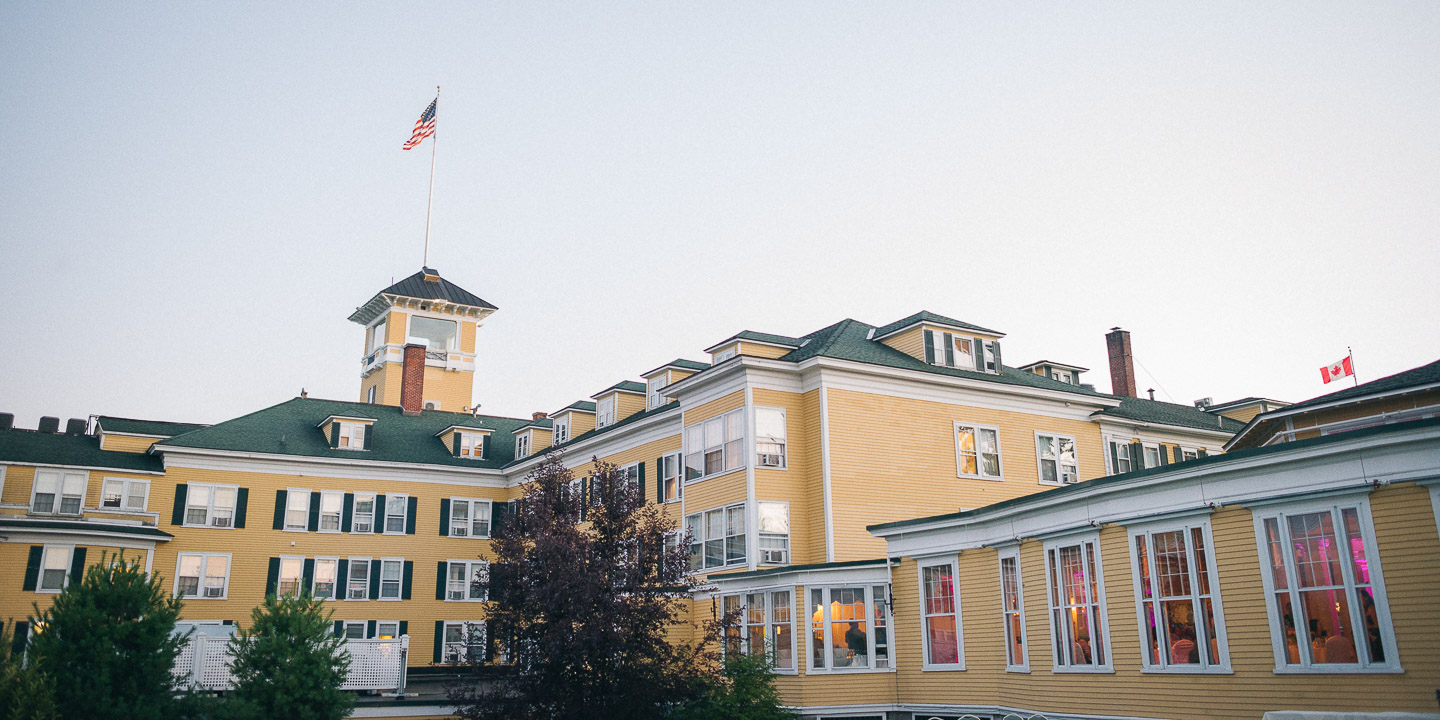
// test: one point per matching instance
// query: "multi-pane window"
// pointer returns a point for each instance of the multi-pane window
(395, 509)
(723, 355)
(770, 437)
(472, 446)
(670, 478)
(1058, 464)
(715, 445)
(1327, 597)
(376, 336)
(362, 516)
(210, 505)
(58, 492)
(717, 537)
(464, 642)
(1188, 454)
(605, 411)
(1176, 599)
(352, 435)
(1152, 456)
(561, 427)
(202, 575)
(353, 630)
(849, 628)
(522, 445)
(469, 518)
(357, 581)
(54, 569)
(1012, 604)
(653, 398)
(331, 504)
(326, 570)
(387, 629)
(977, 451)
(940, 608)
(766, 626)
(461, 578)
(124, 494)
(1119, 456)
(949, 350)
(1077, 604)
(291, 576)
(391, 574)
(774, 521)
(297, 509)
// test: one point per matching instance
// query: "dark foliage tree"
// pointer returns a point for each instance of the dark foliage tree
(107, 644)
(583, 591)
(289, 663)
(744, 691)
(25, 693)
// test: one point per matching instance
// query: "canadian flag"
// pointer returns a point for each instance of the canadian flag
(1338, 370)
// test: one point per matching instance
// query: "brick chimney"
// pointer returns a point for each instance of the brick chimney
(1122, 362)
(412, 380)
(537, 415)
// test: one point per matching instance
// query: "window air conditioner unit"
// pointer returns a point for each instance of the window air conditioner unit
(220, 522)
(457, 532)
(1068, 478)
(769, 460)
(775, 557)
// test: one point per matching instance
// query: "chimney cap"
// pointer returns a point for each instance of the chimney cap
(538, 415)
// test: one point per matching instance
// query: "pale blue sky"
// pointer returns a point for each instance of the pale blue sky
(194, 197)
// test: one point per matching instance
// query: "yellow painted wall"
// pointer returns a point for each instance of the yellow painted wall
(909, 469)
(580, 422)
(911, 342)
(451, 389)
(718, 406)
(790, 485)
(627, 404)
(126, 443)
(19, 482)
(15, 603)
(764, 351)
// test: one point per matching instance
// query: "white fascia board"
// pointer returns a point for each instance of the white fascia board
(1157, 432)
(859, 377)
(342, 468)
(469, 428)
(876, 574)
(944, 326)
(80, 468)
(1401, 457)
(736, 339)
(88, 536)
(1291, 410)
(117, 433)
(346, 418)
(608, 391)
(635, 434)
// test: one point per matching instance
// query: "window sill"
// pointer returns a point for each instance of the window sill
(1337, 670)
(188, 598)
(209, 527)
(1022, 669)
(1103, 670)
(295, 530)
(37, 513)
(981, 477)
(364, 599)
(848, 671)
(1186, 671)
(943, 668)
(720, 474)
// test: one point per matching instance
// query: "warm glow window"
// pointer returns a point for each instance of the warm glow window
(1058, 463)
(849, 628)
(977, 451)
(1177, 599)
(1077, 605)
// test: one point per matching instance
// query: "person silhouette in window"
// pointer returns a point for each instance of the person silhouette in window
(858, 642)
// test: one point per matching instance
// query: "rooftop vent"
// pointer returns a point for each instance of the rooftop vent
(76, 426)
(1205, 402)
(7, 421)
(49, 424)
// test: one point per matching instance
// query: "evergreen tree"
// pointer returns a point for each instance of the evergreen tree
(289, 663)
(25, 693)
(107, 644)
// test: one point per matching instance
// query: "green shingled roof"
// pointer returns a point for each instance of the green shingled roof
(626, 385)
(1154, 411)
(146, 427)
(1414, 377)
(290, 429)
(581, 405)
(929, 317)
(544, 423)
(669, 407)
(682, 364)
(785, 340)
(82, 526)
(30, 446)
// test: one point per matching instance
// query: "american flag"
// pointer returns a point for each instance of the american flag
(424, 127)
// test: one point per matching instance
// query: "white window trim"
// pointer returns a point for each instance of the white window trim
(1013, 553)
(355, 504)
(724, 511)
(204, 564)
(954, 565)
(285, 518)
(828, 640)
(345, 627)
(1110, 468)
(1372, 555)
(785, 442)
(556, 425)
(724, 419)
(337, 593)
(603, 418)
(125, 484)
(60, 491)
(465, 633)
(476, 442)
(349, 573)
(979, 473)
(1185, 525)
(210, 509)
(378, 623)
(433, 316)
(679, 458)
(795, 650)
(759, 557)
(320, 524)
(469, 573)
(1040, 471)
(489, 524)
(399, 596)
(384, 514)
(1144, 459)
(1103, 611)
(354, 428)
(69, 562)
(522, 445)
(299, 580)
(1434, 498)
(653, 398)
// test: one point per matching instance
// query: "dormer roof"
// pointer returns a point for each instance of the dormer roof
(677, 364)
(625, 386)
(1053, 364)
(758, 337)
(928, 318)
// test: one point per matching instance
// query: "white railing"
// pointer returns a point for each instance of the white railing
(374, 664)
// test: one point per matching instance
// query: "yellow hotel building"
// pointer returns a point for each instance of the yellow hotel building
(914, 528)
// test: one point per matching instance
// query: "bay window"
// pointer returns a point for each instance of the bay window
(1177, 598)
(774, 521)
(765, 626)
(1012, 611)
(1058, 463)
(940, 611)
(210, 505)
(977, 451)
(124, 494)
(717, 537)
(59, 492)
(202, 575)
(1077, 604)
(715, 446)
(849, 628)
(1327, 606)
(770, 437)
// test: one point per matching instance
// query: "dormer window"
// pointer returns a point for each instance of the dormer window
(605, 411)
(562, 429)
(961, 351)
(653, 398)
(522, 445)
(472, 446)
(352, 435)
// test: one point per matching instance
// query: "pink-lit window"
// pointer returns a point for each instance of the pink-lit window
(1181, 625)
(940, 605)
(1077, 605)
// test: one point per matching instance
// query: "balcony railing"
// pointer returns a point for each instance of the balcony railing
(204, 663)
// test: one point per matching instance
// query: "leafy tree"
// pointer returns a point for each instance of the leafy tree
(289, 664)
(583, 589)
(745, 691)
(25, 693)
(107, 644)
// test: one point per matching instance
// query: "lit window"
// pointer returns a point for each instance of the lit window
(362, 516)
(387, 629)
(717, 537)
(1077, 604)
(1326, 594)
(391, 574)
(1058, 465)
(202, 575)
(670, 478)
(770, 437)
(522, 445)
(653, 398)
(977, 451)
(291, 576)
(715, 445)
(326, 570)
(54, 569)
(765, 626)
(210, 505)
(464, 642)
(58, 492)
(1012, 604)
(849, 628)
(469, 518)
(435, 334)
(395, 511)
(461, 580)
(1177, 599)
(940, 608)
(357, 582)
(331, 504)
(774, 532)
(124, 494)
(297, 509)
(605, 411)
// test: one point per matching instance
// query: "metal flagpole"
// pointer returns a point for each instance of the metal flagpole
(434, 139)
(1353, 376)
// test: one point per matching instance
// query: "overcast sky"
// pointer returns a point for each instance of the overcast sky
(194, 197)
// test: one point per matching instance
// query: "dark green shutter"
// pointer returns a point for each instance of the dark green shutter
(409, 575)
(314, 511)
(307, 577)
(977, 348)
(1164, 454)
(368, 435)
(930, 347)
(377, 524)
(584, 498)
(489, 643)
(439, 639)
(242, 505)
(498, 511)
(949, 349)
(280, 496)
(1114, 457)
(641, 469)
(997, 356)
(444, 517)
(404, 627)
(339, 628)
(374, 580)
(77, 565)
(22, 634)
(660, 479)
(440, 570)
(455, 444)
(32, 567)
(410, 509)
(227, 622)
(177, 515)
(272, 577)
(370, 629)
(1137, 455)
(334, 434)
(348, 514)
(342, 576)
(485, 447)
